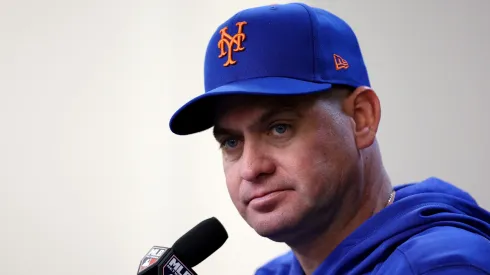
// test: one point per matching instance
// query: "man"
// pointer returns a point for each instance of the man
(289, 99)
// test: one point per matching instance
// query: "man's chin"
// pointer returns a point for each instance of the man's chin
(276, 227)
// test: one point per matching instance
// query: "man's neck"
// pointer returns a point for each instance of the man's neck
(313, 252)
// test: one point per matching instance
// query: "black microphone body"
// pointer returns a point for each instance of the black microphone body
(188, 251)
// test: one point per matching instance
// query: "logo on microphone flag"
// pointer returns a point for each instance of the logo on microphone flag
(152, 257)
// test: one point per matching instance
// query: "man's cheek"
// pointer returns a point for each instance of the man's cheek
(233, 187)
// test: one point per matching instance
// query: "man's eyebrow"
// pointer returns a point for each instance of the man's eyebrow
(272, 112)
(219, 130)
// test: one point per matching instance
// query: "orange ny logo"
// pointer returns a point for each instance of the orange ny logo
(232, 43)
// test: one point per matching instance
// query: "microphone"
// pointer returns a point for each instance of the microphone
(188, 251)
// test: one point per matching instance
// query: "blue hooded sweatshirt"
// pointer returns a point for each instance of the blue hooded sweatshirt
(432, 228)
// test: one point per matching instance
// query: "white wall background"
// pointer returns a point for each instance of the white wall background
(89, 170)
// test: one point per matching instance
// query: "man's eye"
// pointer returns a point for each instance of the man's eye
(230, 143)
(280, 128)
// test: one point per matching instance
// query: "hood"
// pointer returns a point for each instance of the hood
(417, 208)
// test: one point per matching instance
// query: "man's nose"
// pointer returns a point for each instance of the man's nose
(256, 162)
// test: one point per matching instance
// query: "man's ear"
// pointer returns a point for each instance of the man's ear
(364, 108)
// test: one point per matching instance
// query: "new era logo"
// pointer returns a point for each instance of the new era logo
(340, 63)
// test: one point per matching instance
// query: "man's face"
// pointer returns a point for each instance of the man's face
(287, 161)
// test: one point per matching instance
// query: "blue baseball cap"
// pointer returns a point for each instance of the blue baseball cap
(287, 49)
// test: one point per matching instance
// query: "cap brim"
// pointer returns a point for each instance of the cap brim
(199, 113)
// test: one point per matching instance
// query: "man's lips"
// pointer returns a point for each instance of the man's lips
(262, 194)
